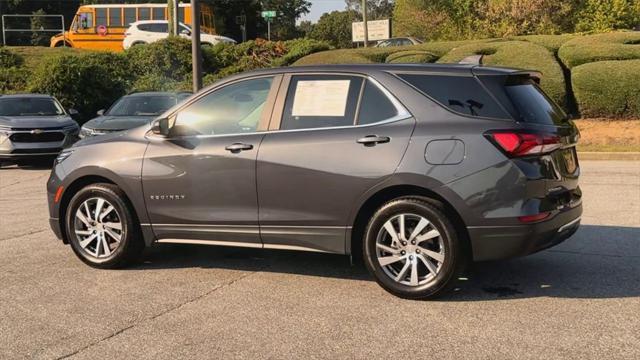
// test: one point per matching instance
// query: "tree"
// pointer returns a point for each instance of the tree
(376, 9)
(606, 15)
(305, 28)
(335, 28)
(283, 27)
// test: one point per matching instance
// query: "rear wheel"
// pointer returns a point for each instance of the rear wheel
(101, 229)
(412, 249)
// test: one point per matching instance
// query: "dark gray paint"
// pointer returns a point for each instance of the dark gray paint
(303, 189)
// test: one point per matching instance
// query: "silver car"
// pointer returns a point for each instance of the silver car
(34, 125)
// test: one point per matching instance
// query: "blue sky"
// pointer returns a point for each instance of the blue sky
(319, 7)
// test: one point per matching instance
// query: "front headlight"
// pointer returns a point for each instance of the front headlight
(84, 132)
(64, 154)
(4, 134)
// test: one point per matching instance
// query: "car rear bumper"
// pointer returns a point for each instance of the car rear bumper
(503, 242)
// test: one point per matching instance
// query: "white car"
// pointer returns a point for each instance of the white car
(148, 31)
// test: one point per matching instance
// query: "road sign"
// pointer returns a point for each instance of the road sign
(269, 14)
(102, 30)
(378, 30)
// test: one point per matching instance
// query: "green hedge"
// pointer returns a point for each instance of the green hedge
(608, 88)
(551, 42)
(411, 56)
(517, 54)
(610, 46)
(9, 59)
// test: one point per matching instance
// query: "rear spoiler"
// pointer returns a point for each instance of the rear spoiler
(531, 74)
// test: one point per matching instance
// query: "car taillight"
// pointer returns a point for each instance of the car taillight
(516, 144)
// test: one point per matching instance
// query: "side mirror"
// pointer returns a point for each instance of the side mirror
(100, 112)
(73, 112)
(185, 32)
(161, 127)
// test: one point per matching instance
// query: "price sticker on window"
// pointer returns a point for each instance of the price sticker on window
(321, 98)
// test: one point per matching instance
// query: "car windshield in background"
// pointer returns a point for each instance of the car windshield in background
(533, 105)
(30, 107)
(142, 105)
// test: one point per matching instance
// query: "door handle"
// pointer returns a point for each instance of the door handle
(372, 140)
(237, 147)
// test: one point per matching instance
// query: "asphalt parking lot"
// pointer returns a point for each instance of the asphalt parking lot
(578, 300)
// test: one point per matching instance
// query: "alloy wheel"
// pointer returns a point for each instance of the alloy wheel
(410, 249)
(98, 227)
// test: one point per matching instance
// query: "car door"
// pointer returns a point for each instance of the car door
(332, 137)
(200, 182)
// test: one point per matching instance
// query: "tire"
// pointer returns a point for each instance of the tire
(93, 240)
(434, 253)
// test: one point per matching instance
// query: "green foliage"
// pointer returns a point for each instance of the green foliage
(13, 79)
(170, 58)
(608, 88)
(411, 57)
(9, 59)
(518, 54)
(86, 82)
(156, 83)
(610, 46)
(335, 28)
(551, 42)
(607, 15)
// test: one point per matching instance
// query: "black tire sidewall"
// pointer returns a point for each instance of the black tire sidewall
(121, 255)
(451, 267)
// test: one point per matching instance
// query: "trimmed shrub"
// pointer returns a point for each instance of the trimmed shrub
(610, 46)
(551, 42)
(415, 57)
(154, 83)
(608, 88)
(13, 79)
(518, 54)
(86, 82)
(9, 59)
(169, 58)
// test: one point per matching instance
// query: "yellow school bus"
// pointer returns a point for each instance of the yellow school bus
(102, 27)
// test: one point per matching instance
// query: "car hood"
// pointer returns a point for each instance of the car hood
(114, 123)
(32, 122)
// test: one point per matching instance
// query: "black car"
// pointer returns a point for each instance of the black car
(131, 111)
(418, 168)
(34, 126)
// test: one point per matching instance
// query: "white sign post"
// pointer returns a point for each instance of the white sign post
(377, 29)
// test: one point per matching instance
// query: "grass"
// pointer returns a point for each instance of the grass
(608, 88)
(609, 135)
(33, 55)
(601, 47)
(518, 54)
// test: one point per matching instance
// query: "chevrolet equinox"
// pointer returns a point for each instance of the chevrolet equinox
(417, 168)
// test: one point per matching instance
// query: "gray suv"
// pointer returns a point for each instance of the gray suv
(418, 169)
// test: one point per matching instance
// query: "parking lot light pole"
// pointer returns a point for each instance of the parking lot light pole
(196, 55)
(364, 23)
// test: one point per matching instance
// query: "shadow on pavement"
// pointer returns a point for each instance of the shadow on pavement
(31, 164)
(597, 262)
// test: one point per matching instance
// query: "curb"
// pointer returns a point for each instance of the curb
(594, 155)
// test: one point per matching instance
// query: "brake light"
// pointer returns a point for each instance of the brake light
(516, 144)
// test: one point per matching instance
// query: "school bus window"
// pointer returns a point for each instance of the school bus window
(115, 17)
(158, 14)
(144, 14)
(101, 16)
(85, 21)
(181, 14)
(129, 16)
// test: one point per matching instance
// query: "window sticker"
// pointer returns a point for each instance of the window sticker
(321, 98)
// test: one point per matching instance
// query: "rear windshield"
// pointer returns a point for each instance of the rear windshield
(30, 107)
(532, 105)
(142, 105)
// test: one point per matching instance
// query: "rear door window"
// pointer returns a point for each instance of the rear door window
(375, 106)
(462, 94)
(318, 101)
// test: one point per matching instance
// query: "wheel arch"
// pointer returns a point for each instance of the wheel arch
(382, 196)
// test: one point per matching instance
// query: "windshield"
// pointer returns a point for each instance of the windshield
(533, 105)
(30, 107)
(142, 105)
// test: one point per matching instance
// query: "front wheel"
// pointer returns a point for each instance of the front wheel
(101, 229)
(412, 249)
